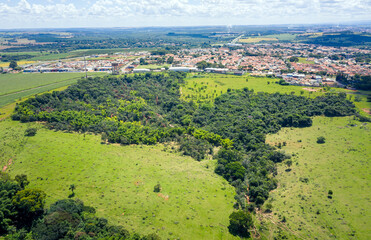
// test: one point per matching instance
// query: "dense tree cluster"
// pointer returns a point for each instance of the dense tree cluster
(204, 64)
(148, 109)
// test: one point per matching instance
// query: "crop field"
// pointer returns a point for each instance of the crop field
(16, 86)
(20, 63)
(282, 37)
(48, 56)
(118, 181)
(258, 39)
(341, 164)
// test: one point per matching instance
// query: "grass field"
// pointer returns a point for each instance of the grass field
(258, 39)
(304, 60)
(282, 37)
(16, 86)
(341, 164)
(152, 66)
(47, 56)
(118, 181)
(206, 87)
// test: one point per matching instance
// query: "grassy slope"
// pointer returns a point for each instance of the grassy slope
(342, 165)
(218, 83)
(31, 84)
(119, 181)
(209, 86)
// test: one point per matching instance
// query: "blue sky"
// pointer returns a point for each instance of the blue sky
(134, 13)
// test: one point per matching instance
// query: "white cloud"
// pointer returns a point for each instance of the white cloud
(60, 13)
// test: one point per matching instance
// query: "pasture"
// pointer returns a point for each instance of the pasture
(341, 164)
(16, 86)
(206, 87)
(118, 181)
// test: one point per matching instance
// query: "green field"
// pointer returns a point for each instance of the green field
(47, 56)
(282, 37)
(118, 181)
(153, 66)
(304, 60)
(195, 202)
(206, 87)
(16, 86)
(341, 164)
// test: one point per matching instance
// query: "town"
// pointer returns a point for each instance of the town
(296, 64)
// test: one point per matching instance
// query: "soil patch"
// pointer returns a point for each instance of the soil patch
(165, 197)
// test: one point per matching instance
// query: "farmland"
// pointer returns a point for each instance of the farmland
(118, 181)
(16, 86)
(49, 55)
(258, 39)
(341, 165)
(20, 63)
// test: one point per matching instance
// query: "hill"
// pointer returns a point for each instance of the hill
(340, 165)
(119, 181)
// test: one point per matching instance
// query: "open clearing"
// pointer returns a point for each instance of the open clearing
(206, 87)
(304, 60)
(118, 181)
(342, 164)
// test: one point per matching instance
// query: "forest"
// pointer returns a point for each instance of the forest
(147, 109)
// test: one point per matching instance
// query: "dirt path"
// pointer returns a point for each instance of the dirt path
(7, 165)
(310, 89)
(367, 110)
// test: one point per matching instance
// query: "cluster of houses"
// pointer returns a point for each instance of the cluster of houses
(316, 63)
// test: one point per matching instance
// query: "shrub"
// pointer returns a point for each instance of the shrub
(30, 132)
(157, 188)
(321, 140)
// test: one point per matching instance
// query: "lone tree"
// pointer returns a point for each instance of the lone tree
(72, 188)
(239, 223)
(13, 64)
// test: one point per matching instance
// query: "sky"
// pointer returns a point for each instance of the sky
(140, 13)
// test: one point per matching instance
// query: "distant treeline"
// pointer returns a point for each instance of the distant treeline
(147, 109)
(342, 39)
(9, 58)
